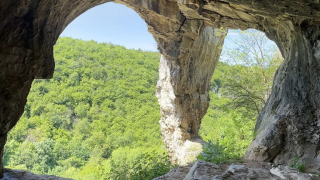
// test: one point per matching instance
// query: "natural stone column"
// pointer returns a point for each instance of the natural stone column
(3, 140)
(186, 68)
(13, 97)
(289, 124)
(28, 31)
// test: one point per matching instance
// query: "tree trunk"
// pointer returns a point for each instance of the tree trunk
(288, 126)
(183, 92)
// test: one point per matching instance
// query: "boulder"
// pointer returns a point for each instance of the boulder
(242, 172)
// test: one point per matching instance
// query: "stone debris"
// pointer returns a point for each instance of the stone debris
(245, 173)
(286, 172)
(202, 170)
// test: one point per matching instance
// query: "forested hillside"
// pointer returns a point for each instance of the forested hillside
(240, 87)
(99, 103)
(98, 117)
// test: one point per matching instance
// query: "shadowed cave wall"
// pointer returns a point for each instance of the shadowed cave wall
(185, 31)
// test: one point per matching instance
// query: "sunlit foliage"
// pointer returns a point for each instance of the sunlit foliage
(98, 118)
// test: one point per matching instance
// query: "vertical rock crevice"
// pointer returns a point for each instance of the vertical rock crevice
(289, 124)
(183, 91)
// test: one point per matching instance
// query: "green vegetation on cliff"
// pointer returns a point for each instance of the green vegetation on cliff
(240, 87)
(99, 104)
(98, 117)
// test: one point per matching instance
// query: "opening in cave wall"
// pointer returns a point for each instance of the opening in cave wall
(73, 114)
(100, 103)
(239, 89)
(30, 31)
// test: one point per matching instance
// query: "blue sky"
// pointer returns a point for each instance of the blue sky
(118, 24)
(113, 23)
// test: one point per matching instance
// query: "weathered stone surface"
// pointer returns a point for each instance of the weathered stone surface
(30, 28)
(3, 140)
(203, 170)
(288, 125)
(13, 97)
(244, 173)
(183, 91)
(25, 175)
(286, 172)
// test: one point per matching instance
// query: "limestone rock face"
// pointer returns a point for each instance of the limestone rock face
(289, 124)
(188, 39)
(183, 91)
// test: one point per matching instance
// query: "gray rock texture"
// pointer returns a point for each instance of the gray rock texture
(188, 39)
(286, 172)
(245, 173)
(289, 124)
(183, 91)
(202, 170)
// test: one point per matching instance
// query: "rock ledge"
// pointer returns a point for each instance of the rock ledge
(202, 170)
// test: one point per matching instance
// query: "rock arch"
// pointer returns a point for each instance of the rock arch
(187, 40)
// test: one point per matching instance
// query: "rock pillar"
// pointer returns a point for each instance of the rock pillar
(13, 97)
(25, 54)
(186, 68)
(289, 124)
(3, 140)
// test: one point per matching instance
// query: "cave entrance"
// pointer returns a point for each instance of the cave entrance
(189, 41)
(239, 89)
(100, 103)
